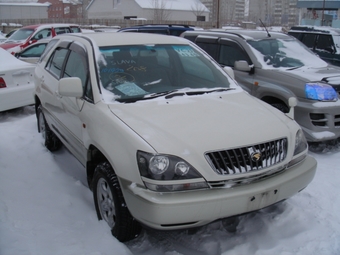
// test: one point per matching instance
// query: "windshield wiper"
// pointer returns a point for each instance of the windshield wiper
(146, 97)
(159, 94)
(170, 94)
(198, 92)
(293, 68)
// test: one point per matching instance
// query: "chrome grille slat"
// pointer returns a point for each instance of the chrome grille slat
(246, 159)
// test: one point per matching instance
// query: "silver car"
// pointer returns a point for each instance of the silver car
(274, 67)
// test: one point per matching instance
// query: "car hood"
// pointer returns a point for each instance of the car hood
(7, 46)
(315, 73)
(193, 125)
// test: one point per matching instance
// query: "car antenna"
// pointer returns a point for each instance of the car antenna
(265, 28)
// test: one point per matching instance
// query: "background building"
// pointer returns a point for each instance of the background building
(64, 8)
(156, 10)
(22, 10)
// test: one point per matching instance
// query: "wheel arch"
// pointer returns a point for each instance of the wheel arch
(274, 100)
(94, 157)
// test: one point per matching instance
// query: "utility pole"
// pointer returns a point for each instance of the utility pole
(218, 14)
(323, 11)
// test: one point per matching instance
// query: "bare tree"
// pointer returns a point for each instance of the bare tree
(227, 12)
(160, 12)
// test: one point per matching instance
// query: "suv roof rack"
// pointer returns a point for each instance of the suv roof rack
(309, 28)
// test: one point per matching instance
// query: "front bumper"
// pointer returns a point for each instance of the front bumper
(180, 210)
(320, 121)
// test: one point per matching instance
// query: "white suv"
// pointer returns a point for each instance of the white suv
(167, 138)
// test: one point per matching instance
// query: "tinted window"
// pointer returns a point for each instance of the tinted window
(154, 31)
(48, 47)
(76, 66)
(56, 61)
(229, 54)
(325, 42)
(62, 30)
(210, 48)
(309, 40)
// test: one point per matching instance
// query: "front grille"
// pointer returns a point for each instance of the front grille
(337, 120)
(247, 159)
(324, 120)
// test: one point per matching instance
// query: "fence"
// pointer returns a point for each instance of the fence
(8, 25)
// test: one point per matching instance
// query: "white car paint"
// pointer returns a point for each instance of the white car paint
(183, 125)
(18, 76)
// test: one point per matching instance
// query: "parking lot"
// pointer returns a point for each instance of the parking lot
(47, 208)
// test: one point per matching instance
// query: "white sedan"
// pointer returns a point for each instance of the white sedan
(16, 82)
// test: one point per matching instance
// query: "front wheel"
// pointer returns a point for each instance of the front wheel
(51, 141)
(110, 204)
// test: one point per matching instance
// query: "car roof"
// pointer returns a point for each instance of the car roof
(107, 39)
(246, 34)
(49, 25)
(315, 29)
(161, 25)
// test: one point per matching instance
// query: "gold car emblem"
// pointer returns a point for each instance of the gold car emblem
(256, 156)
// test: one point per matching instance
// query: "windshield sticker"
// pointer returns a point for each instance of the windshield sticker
(111, 70)
(185, 51)
(130, 89)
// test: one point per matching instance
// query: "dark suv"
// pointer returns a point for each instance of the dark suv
(176, 30)
(275, 67)
(324, 41)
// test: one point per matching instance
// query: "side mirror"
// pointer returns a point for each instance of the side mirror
(292, 102)
(242, 65)
(70, 87)
(229, 71)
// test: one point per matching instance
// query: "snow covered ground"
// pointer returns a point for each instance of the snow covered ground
(47, 209)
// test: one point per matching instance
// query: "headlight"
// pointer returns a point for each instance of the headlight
(300, 142)
(300, 146)
(163, 167)
(320, 91)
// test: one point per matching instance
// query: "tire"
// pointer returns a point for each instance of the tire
(283, 108)
(110, 204)
(51, 141)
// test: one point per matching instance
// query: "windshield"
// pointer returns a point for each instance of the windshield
(137, 72)
(21, 34)
(284, 53)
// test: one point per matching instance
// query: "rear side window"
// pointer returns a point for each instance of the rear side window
(56, 61)
(309, 40)
(155, 31)
(62, 30)
(325, 42)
